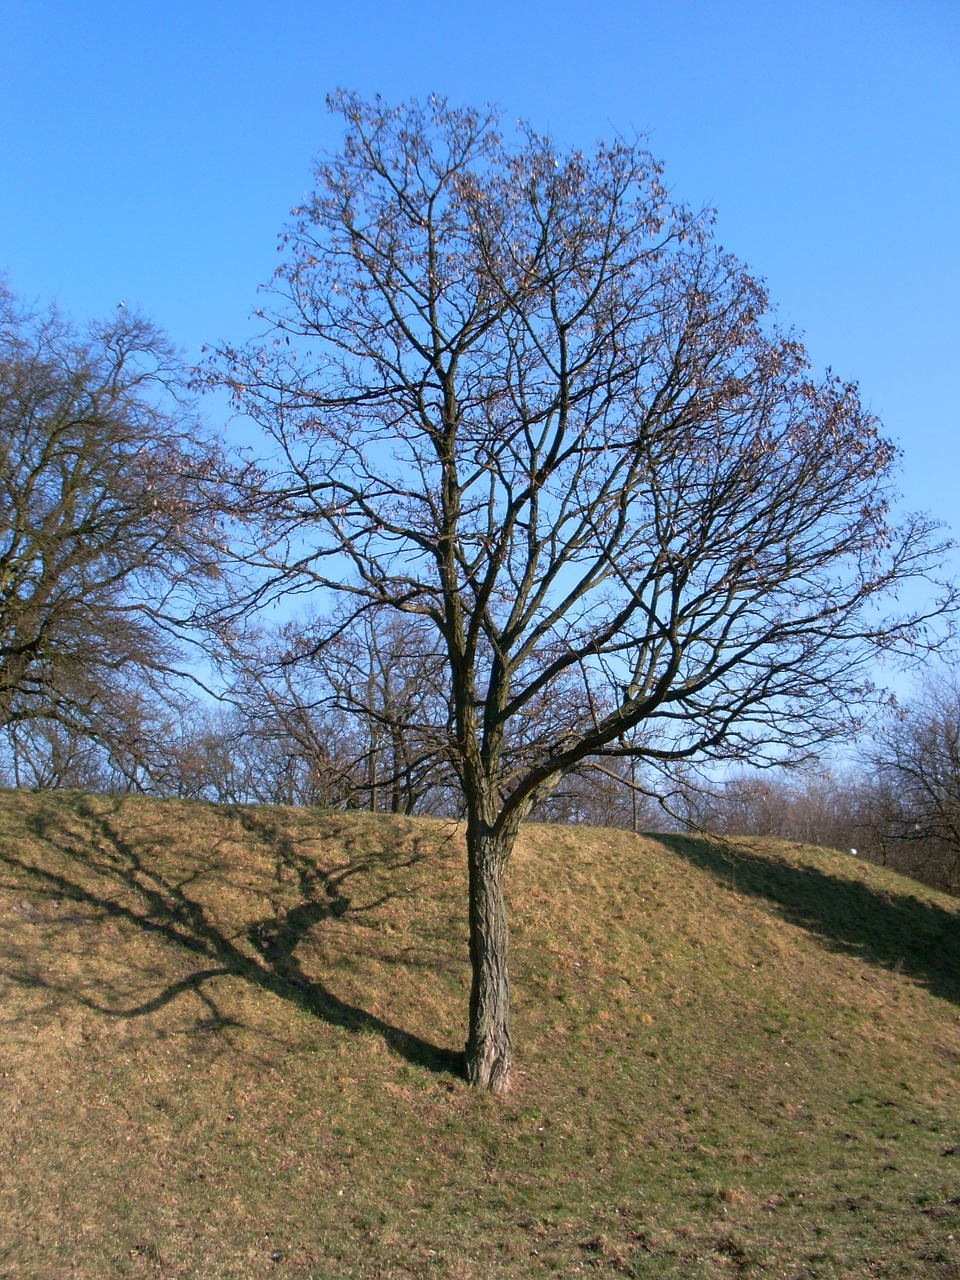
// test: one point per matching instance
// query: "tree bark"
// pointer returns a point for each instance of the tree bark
(489, 1053)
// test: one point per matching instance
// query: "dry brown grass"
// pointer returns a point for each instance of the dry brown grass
(229, 1047)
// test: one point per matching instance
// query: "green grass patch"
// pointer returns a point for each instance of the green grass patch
(230, 1047)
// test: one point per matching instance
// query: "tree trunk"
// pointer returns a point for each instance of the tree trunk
(489, 1054)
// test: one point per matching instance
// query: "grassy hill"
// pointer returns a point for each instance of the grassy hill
(229, 1048)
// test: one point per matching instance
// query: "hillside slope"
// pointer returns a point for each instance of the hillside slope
(229, 1048)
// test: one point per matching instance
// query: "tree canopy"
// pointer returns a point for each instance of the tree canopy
(102, 521)
(523, 395)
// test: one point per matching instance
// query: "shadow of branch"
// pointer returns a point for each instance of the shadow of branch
(162, 906)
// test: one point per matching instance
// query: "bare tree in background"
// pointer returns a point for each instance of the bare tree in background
(123, 741)
(917, 763)
(381, 676)
(103, 522)
(522, 396)
(812, 805)
(356, 704)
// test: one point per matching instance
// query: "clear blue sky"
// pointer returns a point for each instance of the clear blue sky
(151, 151)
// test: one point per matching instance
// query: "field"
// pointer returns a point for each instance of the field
(229, 1047)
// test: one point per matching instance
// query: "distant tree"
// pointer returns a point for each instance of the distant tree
(125, 742)
(380, 677)
(812, 805)
(352, 708)
(103, 523)
(44, 754)
(917, 762)
(606, 793)
(285, 745)
(521, 395)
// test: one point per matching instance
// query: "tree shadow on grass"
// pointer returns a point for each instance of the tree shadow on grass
(133, 890)
(891, 930)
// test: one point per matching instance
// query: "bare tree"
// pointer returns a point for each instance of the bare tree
(354, 705)
(102, 524)
(124, 742)
(598, 795)
(813, 805)
(522, 396)
(917, 762)
(294, 749)
(381, 675)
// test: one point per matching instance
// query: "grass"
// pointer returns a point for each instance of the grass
(229, 1047)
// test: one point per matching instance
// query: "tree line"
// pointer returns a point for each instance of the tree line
(551, 510)
(896, 804)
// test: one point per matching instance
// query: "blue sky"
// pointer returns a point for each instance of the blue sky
(151, 153)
